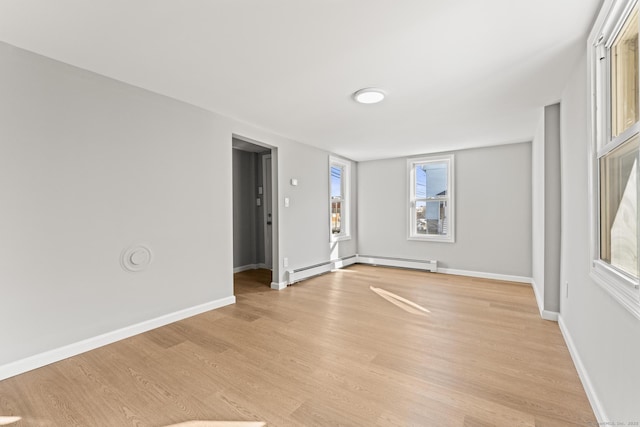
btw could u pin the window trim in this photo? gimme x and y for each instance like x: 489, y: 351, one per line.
x: 622, y: 287
x: 345, y: 209
x: 411, y: 164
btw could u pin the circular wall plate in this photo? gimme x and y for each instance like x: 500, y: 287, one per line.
x: 136, y: 258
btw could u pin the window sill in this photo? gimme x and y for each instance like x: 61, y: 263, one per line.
x: 441, y: 239
x: 340, y: 238
x: 620, y: 287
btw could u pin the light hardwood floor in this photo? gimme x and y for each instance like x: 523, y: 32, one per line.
x: 325, y: 352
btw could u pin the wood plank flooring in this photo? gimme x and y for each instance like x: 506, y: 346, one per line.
x: 327, y: 351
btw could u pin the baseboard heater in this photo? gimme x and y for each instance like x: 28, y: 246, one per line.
x: 429, y: 265
x: 294, y: 276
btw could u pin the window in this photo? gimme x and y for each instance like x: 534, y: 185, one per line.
x: 431, y: 198
x: 339, y: 184
x: 615, y: 148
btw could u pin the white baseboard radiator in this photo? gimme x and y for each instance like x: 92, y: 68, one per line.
x: 428, y: 265
x: 299, y: 274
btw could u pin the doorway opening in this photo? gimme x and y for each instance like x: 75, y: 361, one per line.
x: 254, y: 215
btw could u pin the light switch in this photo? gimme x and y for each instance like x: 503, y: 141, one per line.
x: 258, y: 203
x: 294, y: 182
x: 286, y: 202
x: 259, y: 190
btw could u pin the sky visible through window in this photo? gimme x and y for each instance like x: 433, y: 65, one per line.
x: 431, y: 180
x: 336, y: 177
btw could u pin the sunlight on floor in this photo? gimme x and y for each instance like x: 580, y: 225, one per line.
x: 5, y: 421
x: 403, y: 303
x: 220, y: 424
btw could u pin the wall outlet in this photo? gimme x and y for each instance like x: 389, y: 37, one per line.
x: 285, y: 262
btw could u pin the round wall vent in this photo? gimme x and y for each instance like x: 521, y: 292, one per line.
x: 136, y: 258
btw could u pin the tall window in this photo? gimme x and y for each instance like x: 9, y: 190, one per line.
x: 339, y: 184
x: 616, y: 142
x: 431, y: 198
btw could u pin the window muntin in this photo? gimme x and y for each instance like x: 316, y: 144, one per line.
x: 614, y: 172
x: 430, y: 198
x: 339, y: 175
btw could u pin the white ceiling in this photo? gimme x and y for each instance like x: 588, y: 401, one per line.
x: 459, y: 74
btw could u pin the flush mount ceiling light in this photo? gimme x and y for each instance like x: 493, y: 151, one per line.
x: 370, y: 95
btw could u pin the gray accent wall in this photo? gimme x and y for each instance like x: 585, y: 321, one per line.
x: 546, y: 162
x: 245, y: 211
x: 493, y: 212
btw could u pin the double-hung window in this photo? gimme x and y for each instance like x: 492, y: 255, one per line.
x: 615, y: 142
x: 339, y: 184
x: 431, y: 199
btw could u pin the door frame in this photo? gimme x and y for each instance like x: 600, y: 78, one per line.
x: 275, y: 234
x: 265, y: 220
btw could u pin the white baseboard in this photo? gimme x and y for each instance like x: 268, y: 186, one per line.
x: 545, y: 314
x: 483, y: 275
x: 248, y: 267
x: 429, y: 265
x: 55, y: 355
x: 344, y: 262
x: 596, y: 405
x: 278, y: 286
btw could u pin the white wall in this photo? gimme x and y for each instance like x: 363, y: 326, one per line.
x: 605, y: 336
x: 493, y: 212
x: 90, y: 166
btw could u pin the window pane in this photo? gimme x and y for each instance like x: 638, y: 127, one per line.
x: 336, y: 213
x: 431, y: 180
x: 336, y: 181
x: 619, y: 207
x: 432, y: 217
x: 624, y: 76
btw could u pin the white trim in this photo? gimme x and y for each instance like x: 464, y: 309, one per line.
x: 278, y: 286
x: 36, y: 361
x: 344, y: 262
x: 596, y: 404
x: 430, y: 265
x: 484, y: 275
x: 545, y: 314
x: 249, y: 267
x: 265, y: 210
x: 450, y: 237
x: 345, y: 213
x: 608, y: 23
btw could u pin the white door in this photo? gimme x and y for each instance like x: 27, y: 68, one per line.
x: 268, y: 214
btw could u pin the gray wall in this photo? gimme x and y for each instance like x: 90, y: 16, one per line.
x: 604, y: 334
x: 552, y: 208
x: 245, y: 231
x: 546, y: 162
x: 493, y: 212
x: 90, y: 166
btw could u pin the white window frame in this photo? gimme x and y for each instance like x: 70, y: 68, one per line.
x: 345, y: 207
x: 622, y: 287
x: 450, y: 198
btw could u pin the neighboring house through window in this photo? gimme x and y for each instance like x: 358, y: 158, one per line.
x: 615, y: 146
x: 339, y: 185
x: 431, y: 210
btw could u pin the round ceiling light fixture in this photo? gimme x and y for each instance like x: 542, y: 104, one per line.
x: 369, y: 95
